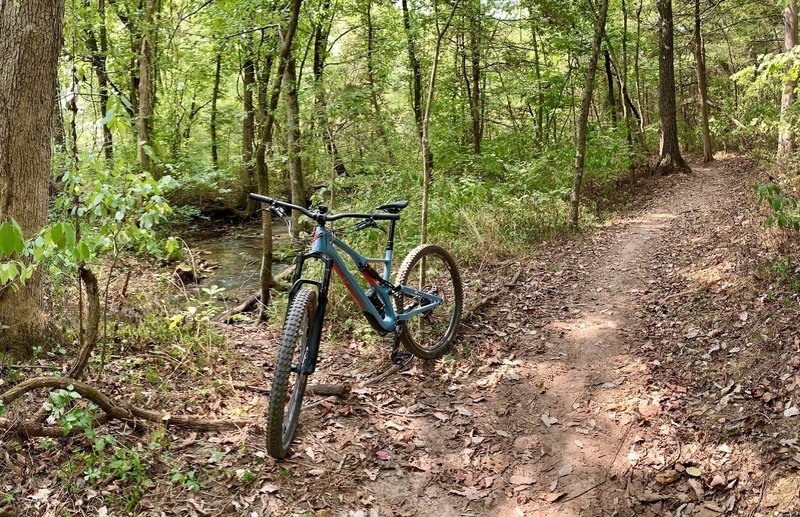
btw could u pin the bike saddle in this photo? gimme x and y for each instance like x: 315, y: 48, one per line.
x: 393, y: 208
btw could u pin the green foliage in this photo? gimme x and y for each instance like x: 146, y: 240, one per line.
x: 785, y: 210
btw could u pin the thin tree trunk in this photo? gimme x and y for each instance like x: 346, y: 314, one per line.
x: 146, y: 78
x: 416, y: 70
x: 98, y: 58
x: 296, y: 183
x: 636, y: 73
x: 30, y: 39
x: 612, y: 103
x: 586, y: 104
x: 475, y: 76
x: 246, y: 182
x: 427, y: 153
x: 265, y: 145
x: 371, y: 82
x: 214, y: 111
x: 702, y: 84
x: 537, y: 71
x: 670, y: 159
x: 785, y: 135
x: 320, y: 99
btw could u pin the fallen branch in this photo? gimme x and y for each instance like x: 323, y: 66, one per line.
x: 338, y: 390
x: 93, y: 325
x: 113, y: 411
x: 472, y: 311
x: 252, y: 301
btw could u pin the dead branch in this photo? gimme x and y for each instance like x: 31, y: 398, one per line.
x: 93, y: 326
x: 338, y: 390
x: 113, y: 411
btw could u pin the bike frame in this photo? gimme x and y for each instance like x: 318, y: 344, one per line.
x: 325, y: 247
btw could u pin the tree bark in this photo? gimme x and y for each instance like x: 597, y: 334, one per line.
x: 99, y: 53
x: 214, y: 111
x: 702, y: 84
x: 320, y: 98
x: 371, y: 81
x: 246, y: 182
x: 146, y: 76
x: 474, y: 84
x: 541, y: 136
x: 583, y: 120
x: 785, y: 134
x: 265, y: 145
x: 30, y: 39
x: 416, y: 70
x: 296, y: 183
x: 670, y: 159
x: 427, y: 153
x: 612, y: 102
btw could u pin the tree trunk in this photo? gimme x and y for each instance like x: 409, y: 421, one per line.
x: 98, y: 58
x: 670, y: 159
x: 612, y: 102
x: 416, y: 70
x: 30, y: 39
x: 541, y: 136
x: 214, y: 112
x: 785, y: 134
x: 296, y: 183
x: 427, y: 153
x: 265, y: 145
x: 371, y: 82
x: 702, y: 84
x: 146, y: 67
x: 320, y: 99
x: 246, y: 182
x: 474, y: 84
x: 583, y: 120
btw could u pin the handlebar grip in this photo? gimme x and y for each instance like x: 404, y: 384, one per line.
x: 259, y: 197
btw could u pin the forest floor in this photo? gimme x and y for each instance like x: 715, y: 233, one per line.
x: 648, y: 367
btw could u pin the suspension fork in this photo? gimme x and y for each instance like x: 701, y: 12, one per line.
x: 310, y: 361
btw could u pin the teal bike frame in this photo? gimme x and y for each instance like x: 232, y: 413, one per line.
x: 325, y: 247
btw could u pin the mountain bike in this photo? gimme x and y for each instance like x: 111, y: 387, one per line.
x: 421, y: 309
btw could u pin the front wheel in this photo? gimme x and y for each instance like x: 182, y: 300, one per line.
x: 289, y: 381
x: 430, y: 269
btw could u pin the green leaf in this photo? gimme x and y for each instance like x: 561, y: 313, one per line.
x: 11, y: 239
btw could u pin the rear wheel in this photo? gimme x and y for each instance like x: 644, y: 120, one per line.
x: 289, y: 382
x: 430, y: 269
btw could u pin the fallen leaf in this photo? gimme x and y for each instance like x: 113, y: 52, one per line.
x: 269, y: 488
x: 316, y: 472
x: 696, y: 487
x: 694, y: 471
x: 521, y: 480
x: 668, y: 476
x: 566, y: 470
x: 382, y: 455
x: 463, y: 411
x: 553, y: 485
x: 719, y: 480
x: 791, y: 411
x: 549, y: 420
x: 444, y: 417
x: 555, y: 496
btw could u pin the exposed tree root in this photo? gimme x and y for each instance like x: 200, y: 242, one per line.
x: 113, y: 411
x: 339, y: 390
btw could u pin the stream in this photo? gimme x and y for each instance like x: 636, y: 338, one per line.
x: 230, y: 256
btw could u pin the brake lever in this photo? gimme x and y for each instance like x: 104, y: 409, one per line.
x: 368, y: 223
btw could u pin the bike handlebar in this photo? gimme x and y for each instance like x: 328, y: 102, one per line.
x: 322, y: 215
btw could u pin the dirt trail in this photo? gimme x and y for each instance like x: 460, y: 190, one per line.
x: 543, y: 416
